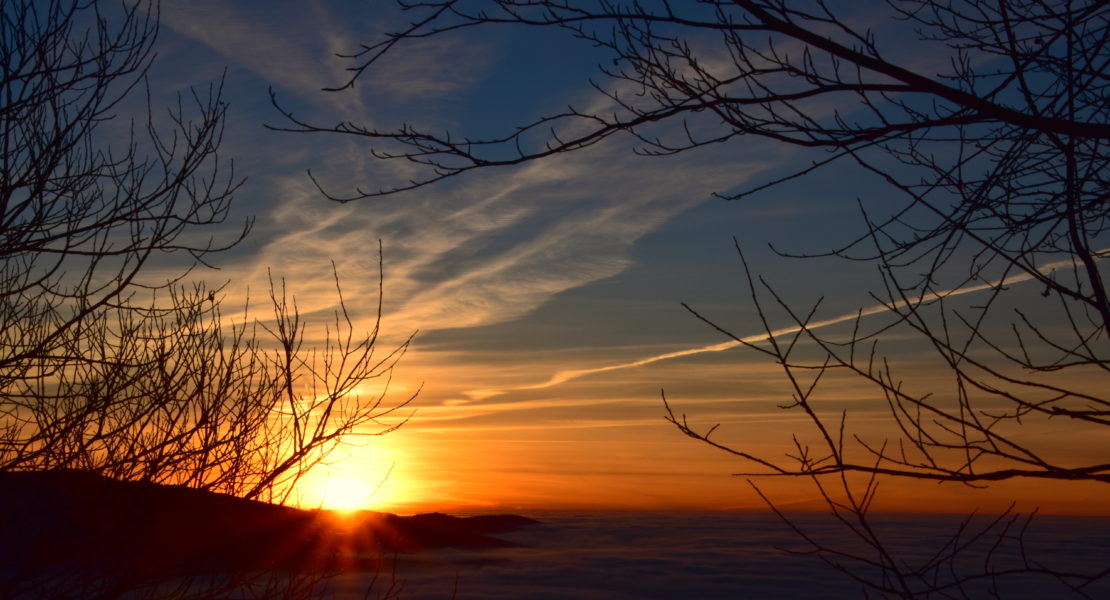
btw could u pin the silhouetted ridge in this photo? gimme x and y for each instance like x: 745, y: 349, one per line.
x: 70, y: 519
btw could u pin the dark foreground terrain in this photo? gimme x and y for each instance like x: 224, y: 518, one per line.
x: 65, y: 522
x: 75, y: 535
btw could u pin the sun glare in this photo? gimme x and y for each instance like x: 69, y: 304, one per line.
x: 364, y: 479
x: 333, y: 489
x: 344, y: 493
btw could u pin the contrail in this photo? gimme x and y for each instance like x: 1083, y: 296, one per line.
x: 567, y: 375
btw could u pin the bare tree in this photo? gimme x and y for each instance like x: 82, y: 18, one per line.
x: 110, y: 366
x: 176, y: 396
x: 83, y: 213
x: 997, y: 150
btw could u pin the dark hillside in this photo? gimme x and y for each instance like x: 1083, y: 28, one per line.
x: 73, y: 520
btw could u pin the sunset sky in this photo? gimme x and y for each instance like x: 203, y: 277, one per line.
x: 546, y: 297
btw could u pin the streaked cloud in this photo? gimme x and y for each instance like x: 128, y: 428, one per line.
x: 489, y: 250
x: 875, y: 309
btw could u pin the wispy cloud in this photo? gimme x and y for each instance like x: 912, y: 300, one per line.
x: 268, y: 40
x: 490, y: 250
x: 485, y: 249
x: 294, y: 46
x: 571, y: 374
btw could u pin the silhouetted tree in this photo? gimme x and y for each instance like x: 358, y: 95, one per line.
x: 106, y: 365
x: 990, y: 126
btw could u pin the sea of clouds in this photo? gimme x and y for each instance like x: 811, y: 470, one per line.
x: 615, y: 556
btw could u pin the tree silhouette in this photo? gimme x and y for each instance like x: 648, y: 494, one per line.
x: 110, y: 366
x: 990, y: 125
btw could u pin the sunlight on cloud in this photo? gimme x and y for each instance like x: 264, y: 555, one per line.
x: 608, y: 211
x: 484, y: 249
x: 492, y: 250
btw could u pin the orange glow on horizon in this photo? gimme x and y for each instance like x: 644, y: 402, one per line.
x: 493, y: 471
x: 587, y: 448
x: 344, y: 494
x: 362, y: 479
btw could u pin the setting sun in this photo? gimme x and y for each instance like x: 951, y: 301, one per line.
x: 362, y: 479
x: 345, y: 493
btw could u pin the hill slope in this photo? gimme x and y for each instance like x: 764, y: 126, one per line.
x: 75, y: 520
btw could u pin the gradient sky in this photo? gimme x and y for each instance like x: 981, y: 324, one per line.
x: 547, y: 297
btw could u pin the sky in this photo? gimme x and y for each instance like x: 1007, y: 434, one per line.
x: 546, y: 298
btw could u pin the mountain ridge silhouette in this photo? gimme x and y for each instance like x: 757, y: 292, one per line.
x: 79, y: 520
